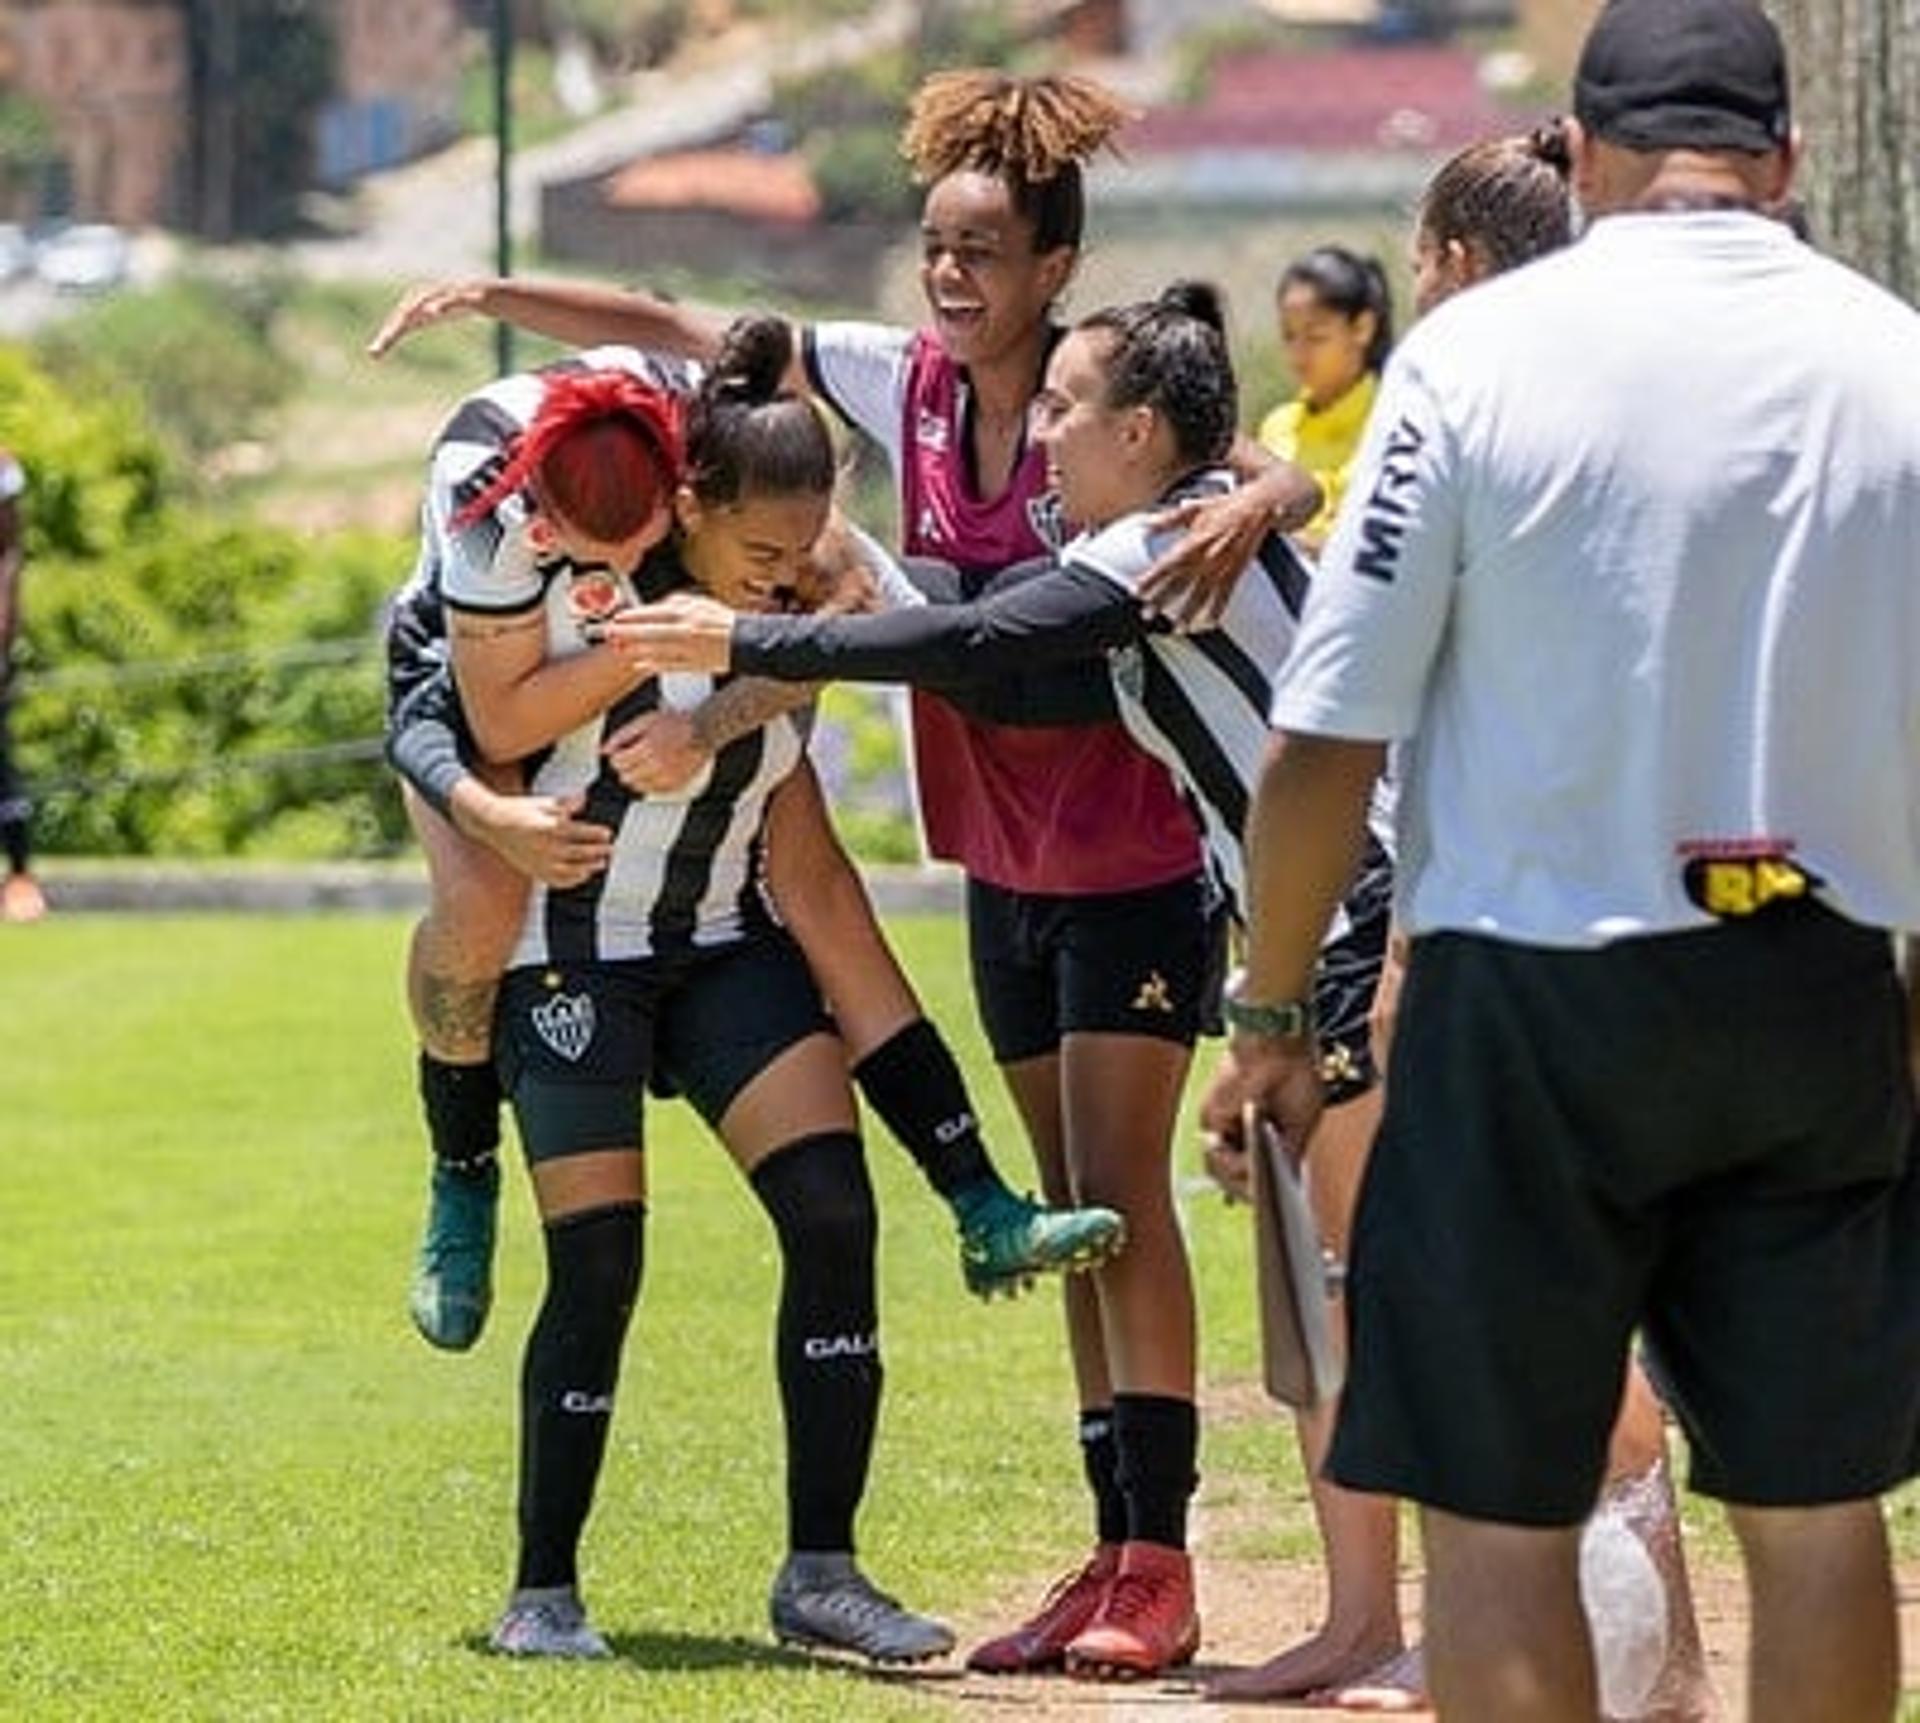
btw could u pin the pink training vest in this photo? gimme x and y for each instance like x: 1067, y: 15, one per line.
x: 1064, y: 810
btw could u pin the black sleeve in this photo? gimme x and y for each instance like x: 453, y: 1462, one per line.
x: 1055, y: 618
x: 426, y: 742
x: 428, y: 757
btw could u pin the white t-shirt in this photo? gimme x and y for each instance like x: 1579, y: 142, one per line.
x: 1633, y: 558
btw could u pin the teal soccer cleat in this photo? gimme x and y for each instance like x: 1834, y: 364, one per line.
x: 1005, y: 1240
x: 452, y: 1287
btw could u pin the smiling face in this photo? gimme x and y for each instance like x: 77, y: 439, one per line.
x: 753, y: 554
x: 1326, y: 349
x: 986, y: 287
x: 1098, y: 456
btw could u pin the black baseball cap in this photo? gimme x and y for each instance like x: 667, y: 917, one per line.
x: 1684, y: 74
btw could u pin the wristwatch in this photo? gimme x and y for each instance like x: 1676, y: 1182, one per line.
x: 1283, y: 1020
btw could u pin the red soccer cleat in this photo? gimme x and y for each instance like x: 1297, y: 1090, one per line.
x: 1148, y: 1623
x: 1040, y: 1642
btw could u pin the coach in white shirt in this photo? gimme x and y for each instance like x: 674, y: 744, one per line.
x: 1631, y: 567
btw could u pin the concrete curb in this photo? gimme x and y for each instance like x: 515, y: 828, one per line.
x: 167, y: 888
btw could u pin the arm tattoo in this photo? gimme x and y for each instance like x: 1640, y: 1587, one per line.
x: 740, y: 707
x: 469, y: 626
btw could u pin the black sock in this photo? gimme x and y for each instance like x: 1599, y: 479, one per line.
x: 462, y: 1104
x: 1157, y: 1438
x: 567, y: 1380
x: 827, y: 1345
x: 1100, y: 1457
x: 912, y: 1082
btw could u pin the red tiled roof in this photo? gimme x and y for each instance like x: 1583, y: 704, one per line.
x: 1345, y: 99
x: 739, y: 182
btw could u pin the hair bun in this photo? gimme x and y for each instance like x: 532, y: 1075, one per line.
x: 1200, y: 300
x: 753, y: 358
x: 1547, y: 142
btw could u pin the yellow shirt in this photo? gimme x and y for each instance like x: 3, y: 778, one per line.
x: 1324, y: 442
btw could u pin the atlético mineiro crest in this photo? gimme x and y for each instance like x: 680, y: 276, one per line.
x: 565, y: 1023
x: 592, y: 595
x: 930, y: 432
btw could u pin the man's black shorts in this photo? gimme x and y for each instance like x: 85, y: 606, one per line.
x: 577, y: 1044
x: 1709, y: 1134
x: 1120, y: 963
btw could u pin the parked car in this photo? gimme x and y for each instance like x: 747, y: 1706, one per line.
x: 88, y: 257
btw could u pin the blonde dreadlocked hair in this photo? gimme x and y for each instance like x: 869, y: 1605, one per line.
x: 1033, y: 134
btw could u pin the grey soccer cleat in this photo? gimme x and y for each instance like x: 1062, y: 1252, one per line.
x: 547, y: 1622
x: 824, y: 1601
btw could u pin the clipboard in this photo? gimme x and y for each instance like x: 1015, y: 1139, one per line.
x: 1301, y: 1363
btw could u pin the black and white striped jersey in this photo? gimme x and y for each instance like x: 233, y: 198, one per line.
x: 686, y: 867
x: 488, y: 564
x: 1197, y: 702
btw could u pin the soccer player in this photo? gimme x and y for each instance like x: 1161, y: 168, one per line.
x: 668, y: 967
x: 1137, y: 412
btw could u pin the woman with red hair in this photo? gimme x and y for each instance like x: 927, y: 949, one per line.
x: 654, y: 960
x: 566, y: 476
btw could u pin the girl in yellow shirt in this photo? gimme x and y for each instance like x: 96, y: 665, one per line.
x: 1336, y: 327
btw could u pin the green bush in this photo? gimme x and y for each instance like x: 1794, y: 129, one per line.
x: 186, y: 685
x: 95, y: 472
x: 859, y: 749
x: 212, y: 689
x: 860, y: 175
x: 197, y: 354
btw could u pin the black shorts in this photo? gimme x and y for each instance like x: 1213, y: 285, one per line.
x: 1707, y: 1133
x: 417, y: 650
x: 1121, y: 963
x: 578, y: 1045
x: 14, y: 804
x: 431, y: 699
x: 1347, y: 977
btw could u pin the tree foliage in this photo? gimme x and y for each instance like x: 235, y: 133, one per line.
x: 1857, y: 93
x: 187, y: 685
x: 197, y: 354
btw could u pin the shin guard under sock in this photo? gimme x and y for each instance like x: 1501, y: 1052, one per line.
x: 1100, y: 1459
x: 1157, y: 1438
x: 462, y: 1105
x: 915, y: 1086
x: 567, y: 1380
x: 827, y: 1344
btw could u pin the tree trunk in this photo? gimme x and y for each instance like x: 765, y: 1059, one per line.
x: 1856, y: 66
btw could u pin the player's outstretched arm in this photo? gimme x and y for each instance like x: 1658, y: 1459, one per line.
x: 580, y: 313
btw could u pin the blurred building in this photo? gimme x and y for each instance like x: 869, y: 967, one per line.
x: 729, y: 210
x: 111, y: 77
x: 399, y: 85
x: 115, y: 80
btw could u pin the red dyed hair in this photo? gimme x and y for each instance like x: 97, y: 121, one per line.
x: 601, y: 455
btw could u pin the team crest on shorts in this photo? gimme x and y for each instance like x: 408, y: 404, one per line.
x: 565, y: 1023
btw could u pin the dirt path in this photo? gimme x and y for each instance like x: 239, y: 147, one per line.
x: 1251, y: 1607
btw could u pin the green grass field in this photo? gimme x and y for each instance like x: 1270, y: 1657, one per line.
x: 233, y: 1482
